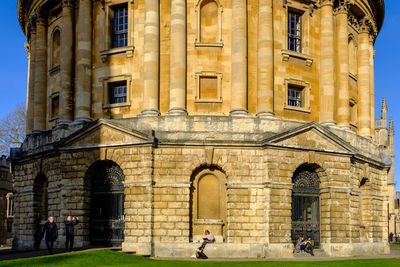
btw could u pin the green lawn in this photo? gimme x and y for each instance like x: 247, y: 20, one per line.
x: 113, y: 258
x: 395, y: 245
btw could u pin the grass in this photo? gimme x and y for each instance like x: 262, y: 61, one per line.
x: 395, y: 245
x: 113, y: 258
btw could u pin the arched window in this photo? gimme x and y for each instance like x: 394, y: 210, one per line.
x: 208, y: 209
x: 352, y: 56
x: 209, y: 23
x: 55, y: 57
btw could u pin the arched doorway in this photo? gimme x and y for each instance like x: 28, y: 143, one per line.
x: 107, y: 205
x: 305, y: 205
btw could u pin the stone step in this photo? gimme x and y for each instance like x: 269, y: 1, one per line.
x: 317, y: 253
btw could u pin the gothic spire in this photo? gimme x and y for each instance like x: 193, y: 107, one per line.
x: 391, y: 127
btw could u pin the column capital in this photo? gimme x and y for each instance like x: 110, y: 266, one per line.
x: 323, y: 3
x: 342, y: 7
x: 68, y: 3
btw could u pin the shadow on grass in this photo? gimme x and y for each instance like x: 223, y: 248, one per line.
x: 113, y: 258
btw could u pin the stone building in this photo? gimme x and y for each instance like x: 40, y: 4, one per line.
x: 155, y: 120
x: 6, y: 202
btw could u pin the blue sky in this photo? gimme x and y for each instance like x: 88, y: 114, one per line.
x: 13, y: 65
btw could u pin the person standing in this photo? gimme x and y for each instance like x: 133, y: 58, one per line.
x: 69, y: 232
x: 51, y: 232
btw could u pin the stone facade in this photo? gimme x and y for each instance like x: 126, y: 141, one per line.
x: 208, y: 131
x: 6, y: 202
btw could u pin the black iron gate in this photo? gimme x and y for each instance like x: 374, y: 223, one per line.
x: 107, y: 206
x: 305, y: 206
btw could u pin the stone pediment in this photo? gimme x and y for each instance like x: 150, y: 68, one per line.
x: 104, y: 133
x: 311, y: 136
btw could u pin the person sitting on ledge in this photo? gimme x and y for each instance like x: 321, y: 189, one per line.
x: 309, y: 247
x: 300, y: 246
x: 209, y: 238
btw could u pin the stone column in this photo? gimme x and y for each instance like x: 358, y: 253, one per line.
x: 327, y: 65
x: 265, y: 86
x: 372, y: 82
x: 239, y: 58
x: 39, y: 123
x: 151, y: 64
x: 177, y: 103
x: 31, y: 80
x: 364, y: 111
x: 343, y: 95
x: 84, y: 62
x: 67, y: 62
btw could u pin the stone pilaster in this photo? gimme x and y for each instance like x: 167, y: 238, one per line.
x: 177, y: 103
x: 67, y: 62
x: 239, y: 58
x: 372, y: 83
x: 265, y: 87
x: 364, y: 107
x: 327, y: 65
x: 343, y: 108
x: 84, y: 62
x: 39, y: 109
x: 151, y: 64
x: 31, y: 80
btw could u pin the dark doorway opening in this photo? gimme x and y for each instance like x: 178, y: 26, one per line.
x: 305, y: 206
x: 107, y: 205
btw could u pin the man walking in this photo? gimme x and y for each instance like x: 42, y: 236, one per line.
x: 69, y: 232
x: 51, y: 232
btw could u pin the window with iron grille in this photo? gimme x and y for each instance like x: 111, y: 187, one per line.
x: 120, y: 26
x: 295, y: 96
x: 294, y: 31
x: 117, y: 92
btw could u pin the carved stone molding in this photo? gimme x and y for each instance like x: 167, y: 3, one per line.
x: 353, y: 21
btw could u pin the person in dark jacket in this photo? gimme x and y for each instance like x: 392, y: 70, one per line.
x: 51, y: 233
x: 69, y: 232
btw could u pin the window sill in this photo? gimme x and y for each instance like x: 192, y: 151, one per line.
x: 119, y: 105
x: 54, y: 69
x: 353, y: 76
x: 353, y: 124
x: 305, y: 110
x: 208, y: 101
x: 287, y: 54
x: 127, y: 49
x: 199, y: 44
x: 53, y: 119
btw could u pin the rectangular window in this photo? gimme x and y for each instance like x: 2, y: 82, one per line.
x: 294, y: 31
x: 295, y: 96
x: 55, y: 106
x: 117, y: 92
x: 120, y: 26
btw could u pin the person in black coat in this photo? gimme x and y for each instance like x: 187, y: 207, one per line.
x: 69, y: 232
x: 51, y: 232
